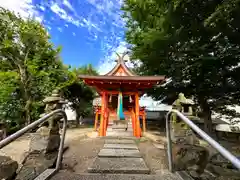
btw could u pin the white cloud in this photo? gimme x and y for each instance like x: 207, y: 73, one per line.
x: 24, y: 7
x: 75, y: 19
x: 60, y: 29
x: 67, y: 4
x: 73, y: 33
x: 108, y: 62
x: 63, y: 14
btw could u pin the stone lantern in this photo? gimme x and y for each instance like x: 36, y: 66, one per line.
x: 47, y: 137
x: 44, y: 143
x: 52, y: 103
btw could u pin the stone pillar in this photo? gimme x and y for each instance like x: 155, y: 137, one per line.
x: 187, y: 152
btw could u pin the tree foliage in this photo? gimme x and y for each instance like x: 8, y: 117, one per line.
x: 30, y: 68
x: 79, y: 94
x: 194, y: 43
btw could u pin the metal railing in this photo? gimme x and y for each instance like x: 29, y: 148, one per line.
x: 22, y: 131
x: 224, y: 152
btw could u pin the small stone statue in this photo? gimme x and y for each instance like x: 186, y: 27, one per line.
x: 186, y: 149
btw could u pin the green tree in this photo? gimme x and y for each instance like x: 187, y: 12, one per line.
x: 79, y: 94
x: 30, y: 63
x: 194, y: 43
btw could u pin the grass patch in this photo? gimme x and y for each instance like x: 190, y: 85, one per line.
x: 141, y: 140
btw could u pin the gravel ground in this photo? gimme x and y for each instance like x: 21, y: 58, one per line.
x: 155, y: 158
x: 18, y: 148
x: 81, y: 155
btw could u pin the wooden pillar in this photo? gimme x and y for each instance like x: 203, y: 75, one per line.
x: 133, y: 117
x: 144, y: 121
x: 96, y: 121
x: 102, y: 123
x: 137, y: 123
x: 105, y: 114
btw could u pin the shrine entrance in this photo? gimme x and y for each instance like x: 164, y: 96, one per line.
x: 120, y: 90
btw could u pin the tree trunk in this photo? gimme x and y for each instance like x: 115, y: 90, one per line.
x: 27, y: 111
x: 207, y: 116
x: 26, y: 94
x: 77, y: 119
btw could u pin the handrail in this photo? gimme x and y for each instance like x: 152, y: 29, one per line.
x: 224, y: 152
x: 22, y: 131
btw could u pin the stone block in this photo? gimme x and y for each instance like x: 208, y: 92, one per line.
x: 44, y: 141
x: 119, y: 165
x: 8, y: 168
x: 119, y: 141
x: 35, y: 164
x: 116, y: 134
x: 119, y: 153
x: 120, y: 146
x: 85, y: 176
x: 159, y: 146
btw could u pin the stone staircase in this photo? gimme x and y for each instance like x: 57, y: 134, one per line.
x: 119, y: 130
x: 119, y: 159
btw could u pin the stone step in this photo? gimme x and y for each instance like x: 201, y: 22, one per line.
x: 119, y: 165
x: 117, y: 153
x: 119, y: 129
x: 119, y: 137
x: 120, y: 146
x: 72, y: 176
x: 119, y: 133
x: 119, y: 141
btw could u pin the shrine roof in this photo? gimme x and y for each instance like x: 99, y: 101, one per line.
x: 122, y: 73
x: 123, y: 78
x: 120, y: 67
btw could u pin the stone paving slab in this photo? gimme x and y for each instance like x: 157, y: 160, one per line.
x: 119, y: 141
x: 119, y: 137
x: 120, y: 146
x: 119, y: 133
x: 119, y: 153
x: 159, y: 146
x: 72, y: 176
x: 119, y: 165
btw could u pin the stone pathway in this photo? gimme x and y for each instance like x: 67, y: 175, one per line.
x: 94, y: 162
x: 119, y: 131
x: 119, y: 157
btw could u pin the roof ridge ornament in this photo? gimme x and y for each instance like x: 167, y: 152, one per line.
x: 121, y: 58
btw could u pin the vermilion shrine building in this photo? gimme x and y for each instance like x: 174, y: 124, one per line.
x: 120, y: 90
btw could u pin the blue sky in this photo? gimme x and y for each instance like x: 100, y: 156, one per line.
x: 89, y: 31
